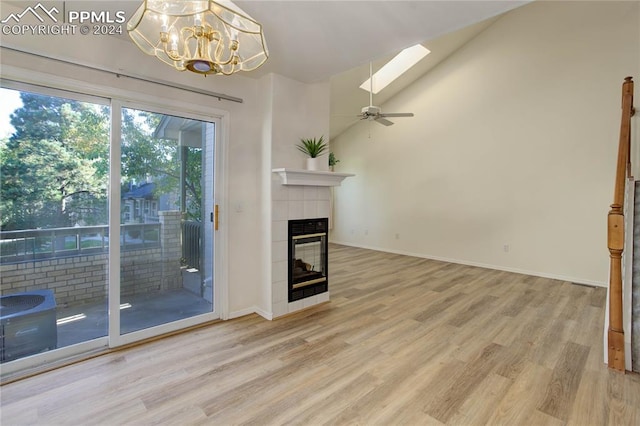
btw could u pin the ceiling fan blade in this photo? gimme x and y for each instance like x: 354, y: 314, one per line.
x: 397, y: 114
x: 380, y: 119
x: 346, y: 115
x: 352, y: 122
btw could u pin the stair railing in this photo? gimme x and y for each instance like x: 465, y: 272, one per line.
x: 615, y: 231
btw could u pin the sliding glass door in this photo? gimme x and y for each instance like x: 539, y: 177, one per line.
x: 54, y: 151
x: 107, y: 215
x: 166, y: 238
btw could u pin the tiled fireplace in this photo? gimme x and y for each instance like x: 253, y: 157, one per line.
x: 293, y: 203
x: 296, y: 195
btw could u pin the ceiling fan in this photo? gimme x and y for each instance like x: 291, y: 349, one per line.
x: 374, y: 113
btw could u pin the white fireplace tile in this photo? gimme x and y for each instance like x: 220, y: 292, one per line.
x: 279, y: 272
x: 323, y: 297
x: 296, y: 193
x: 310, y: 301
x: 311, y: 209
x: 280, y: 291
x: 279, y: 251
x: 279, y: 231
x: 324, y: 193
x: 279, y: 192
x: 280, y: 210
x: 280, y: 309
x: 295, y: 306
x: 296, y: 209
x: 324, y: 208
x: 310, y: 193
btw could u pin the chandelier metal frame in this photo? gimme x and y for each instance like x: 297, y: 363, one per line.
x: 205, y: 37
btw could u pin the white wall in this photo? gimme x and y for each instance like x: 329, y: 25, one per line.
x: 266, y: 113
x: 513, y: 143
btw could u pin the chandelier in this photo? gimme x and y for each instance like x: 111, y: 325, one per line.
x: 206, y: 37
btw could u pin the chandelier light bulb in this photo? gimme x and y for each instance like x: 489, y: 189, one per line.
x: 164, y: 24
x: 174, y: 42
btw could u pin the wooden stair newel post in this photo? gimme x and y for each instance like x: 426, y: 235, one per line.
x: 616, y: 245
x: 615, y: 233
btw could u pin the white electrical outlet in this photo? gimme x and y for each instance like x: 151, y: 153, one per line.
x: 506, y: 248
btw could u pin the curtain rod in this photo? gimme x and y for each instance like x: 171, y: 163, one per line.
x: 220, y: 96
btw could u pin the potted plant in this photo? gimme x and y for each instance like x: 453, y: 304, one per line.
x: 332, y: 161
x: 314, y: 148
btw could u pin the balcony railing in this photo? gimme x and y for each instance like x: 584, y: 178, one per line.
x: 191, y: 243
x: 35, y: 244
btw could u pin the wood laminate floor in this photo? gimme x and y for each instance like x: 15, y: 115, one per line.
x: 403, y: 341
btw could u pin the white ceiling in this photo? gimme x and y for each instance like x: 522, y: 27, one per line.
x: 325, y: 40
x: 311, y: 41
x: 347, y: 99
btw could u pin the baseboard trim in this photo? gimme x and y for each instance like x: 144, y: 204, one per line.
x: 478, y: 264
x: 249, y: 311
x: 264, y: 314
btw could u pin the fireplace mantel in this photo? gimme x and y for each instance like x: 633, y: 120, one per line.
x: 311, y: 178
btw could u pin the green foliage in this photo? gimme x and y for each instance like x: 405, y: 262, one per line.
x: 87, y: 134
x: 46, y: 180
x: 55, y: 166
x: 38, y: 118
x: 312, y: 147
x: 142, y: 154
x: 146, y: 157
x: 333, y: 160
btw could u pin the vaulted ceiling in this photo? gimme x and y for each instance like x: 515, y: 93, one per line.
x: 322, y: 40
x: 311, y: 41
x: 314, y: 41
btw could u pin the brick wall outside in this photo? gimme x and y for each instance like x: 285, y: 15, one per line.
x: 170, y: 236
x: 82, y: 279
x: 75, y: 279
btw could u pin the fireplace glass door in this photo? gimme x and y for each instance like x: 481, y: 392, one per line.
x: 308, y: 246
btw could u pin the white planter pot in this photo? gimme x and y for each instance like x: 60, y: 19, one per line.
x: 318, y: 164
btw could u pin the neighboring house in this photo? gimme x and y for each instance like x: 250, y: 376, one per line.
x: 140, y: 204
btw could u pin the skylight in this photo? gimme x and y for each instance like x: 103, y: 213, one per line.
x: 395, y: 67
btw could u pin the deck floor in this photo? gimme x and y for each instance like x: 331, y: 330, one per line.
x: 137, y: 312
